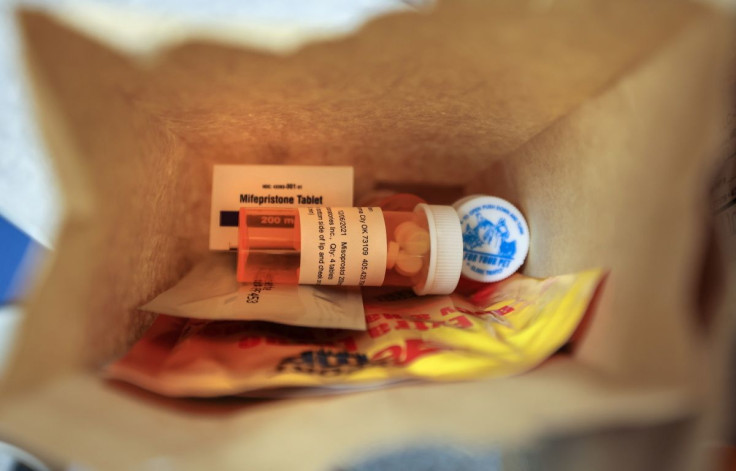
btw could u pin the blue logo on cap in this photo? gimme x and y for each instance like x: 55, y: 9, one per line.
x: 491, y: 234
x: 495, y: 237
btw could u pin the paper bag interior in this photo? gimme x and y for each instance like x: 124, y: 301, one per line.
x: 596, y: 118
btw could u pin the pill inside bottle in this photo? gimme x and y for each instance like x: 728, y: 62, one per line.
x: 352, y: 246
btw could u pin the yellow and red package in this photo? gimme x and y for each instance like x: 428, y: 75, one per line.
x: 505, y: 329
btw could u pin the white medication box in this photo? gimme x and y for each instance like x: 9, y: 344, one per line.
x: 234, y: 186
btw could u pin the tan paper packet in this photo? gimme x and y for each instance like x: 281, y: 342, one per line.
x: 210, y: 291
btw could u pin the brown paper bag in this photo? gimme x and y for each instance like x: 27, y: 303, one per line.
x: 596, y: 118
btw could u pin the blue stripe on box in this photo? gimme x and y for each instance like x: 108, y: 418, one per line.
x: 16, y: 249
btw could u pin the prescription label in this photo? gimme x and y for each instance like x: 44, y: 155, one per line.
x: 342, y: 246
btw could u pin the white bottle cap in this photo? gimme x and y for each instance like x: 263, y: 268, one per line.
x: 495, y: 237
x: 446, y: 250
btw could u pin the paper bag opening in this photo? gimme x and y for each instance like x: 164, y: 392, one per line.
x: 564, y: 112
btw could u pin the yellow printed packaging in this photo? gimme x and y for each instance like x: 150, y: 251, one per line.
x: 505, y: 329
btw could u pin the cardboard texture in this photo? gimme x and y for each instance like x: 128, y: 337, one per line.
x: 594, y: 117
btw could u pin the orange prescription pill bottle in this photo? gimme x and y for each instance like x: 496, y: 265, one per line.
x: 360, y: 246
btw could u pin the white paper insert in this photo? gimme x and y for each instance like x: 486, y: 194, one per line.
x: 271, y: 186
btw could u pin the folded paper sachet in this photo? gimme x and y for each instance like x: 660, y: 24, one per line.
x: 505, y: 329
x: 210, y: 291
